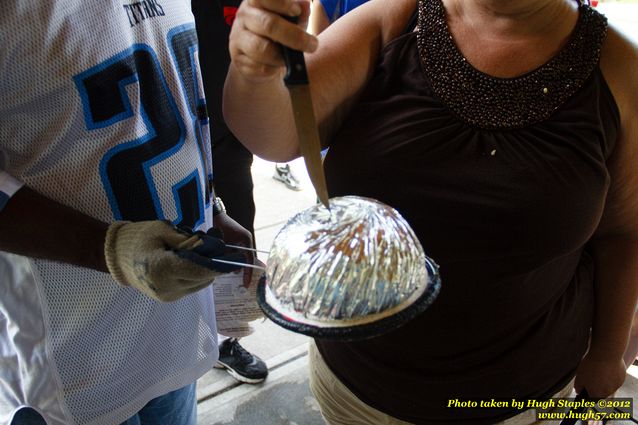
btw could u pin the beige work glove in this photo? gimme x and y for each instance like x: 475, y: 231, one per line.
x: 162, y: 261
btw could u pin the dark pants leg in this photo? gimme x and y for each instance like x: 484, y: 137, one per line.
x: 233, y: 179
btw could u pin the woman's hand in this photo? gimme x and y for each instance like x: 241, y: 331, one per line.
x: 600, y: 375
x: 257, y: 31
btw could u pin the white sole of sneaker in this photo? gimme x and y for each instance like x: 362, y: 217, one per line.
x: 237, y: 376
x: 282, y: 180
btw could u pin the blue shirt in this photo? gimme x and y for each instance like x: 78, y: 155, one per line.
x: 337, y: 8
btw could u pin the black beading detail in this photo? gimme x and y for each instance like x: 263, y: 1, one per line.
x: 498, y: 103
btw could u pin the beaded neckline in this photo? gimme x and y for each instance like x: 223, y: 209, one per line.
x: 499, y: 103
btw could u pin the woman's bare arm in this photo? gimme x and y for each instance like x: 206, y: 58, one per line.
x: 256, y: 103
x: 615, y: 245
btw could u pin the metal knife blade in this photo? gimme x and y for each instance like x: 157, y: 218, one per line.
x: 296, y: 80
x: 309, y: 139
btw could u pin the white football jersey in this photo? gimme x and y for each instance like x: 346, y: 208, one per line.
x: 101, y: 109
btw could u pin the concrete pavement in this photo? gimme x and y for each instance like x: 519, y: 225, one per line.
x: 284, y: 398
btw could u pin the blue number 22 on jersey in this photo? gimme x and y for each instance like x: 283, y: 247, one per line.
x: 126, y: 169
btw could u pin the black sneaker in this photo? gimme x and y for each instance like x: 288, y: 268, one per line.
x: 284, y: 175
x: 242, y: 365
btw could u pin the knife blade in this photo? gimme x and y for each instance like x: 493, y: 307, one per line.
x: 296, y: 80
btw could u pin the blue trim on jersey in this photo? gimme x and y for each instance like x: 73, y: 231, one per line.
x: 204, y: 123
x: 178, y: 204
x: 4, y: 199
x: 200, y: 101
x: 133, y: 143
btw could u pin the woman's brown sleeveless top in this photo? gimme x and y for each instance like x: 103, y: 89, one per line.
x: 504, y: 181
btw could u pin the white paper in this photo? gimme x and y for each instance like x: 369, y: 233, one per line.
x: 235, y: 305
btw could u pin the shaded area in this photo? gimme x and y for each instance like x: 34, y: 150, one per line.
x: 288, y: 402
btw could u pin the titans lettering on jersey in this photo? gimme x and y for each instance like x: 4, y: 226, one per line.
x: 141, y: 10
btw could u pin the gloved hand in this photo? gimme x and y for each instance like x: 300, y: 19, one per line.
x: 162, y: 261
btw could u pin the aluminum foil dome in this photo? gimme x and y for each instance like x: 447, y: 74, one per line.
x: 352, y: 272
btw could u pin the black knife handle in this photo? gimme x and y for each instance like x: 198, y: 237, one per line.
x: 295, y: 63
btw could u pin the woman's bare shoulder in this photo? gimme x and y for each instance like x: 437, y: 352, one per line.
x: 388, y: 18
x: 619, y: 64
x: 396, y: 19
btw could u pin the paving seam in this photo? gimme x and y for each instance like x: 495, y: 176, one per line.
x: 271, y: 368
